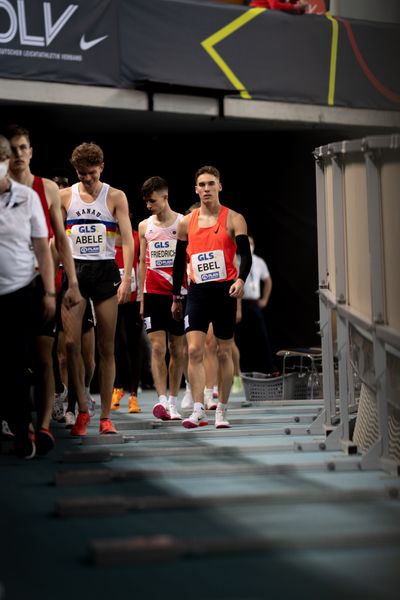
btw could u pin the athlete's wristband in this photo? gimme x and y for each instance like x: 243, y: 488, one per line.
x: 177, y: 298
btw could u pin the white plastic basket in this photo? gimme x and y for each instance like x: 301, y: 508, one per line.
x: 260, y: 386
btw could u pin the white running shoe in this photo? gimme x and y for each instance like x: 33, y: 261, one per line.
x: 209, y: 402
x: 197, y: 419
x: 91, y: 403
x: 58, y: 411
x: 5, y: 429
x: 173, y: 413
x: 64, y: 393
x: 69, y: 419
x: 221, y: 422
x: 187, y: 401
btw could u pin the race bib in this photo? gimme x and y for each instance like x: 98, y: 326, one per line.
x: 209, y: 266
x: 162, y: 253
x: 88, y: 239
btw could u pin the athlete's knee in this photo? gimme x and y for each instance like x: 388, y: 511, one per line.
x: 224, y: 354
x: 72, y: 348
x: 211, y: 345
x: 195, y: 353
x: 158, y: 349
x: 176, y: 349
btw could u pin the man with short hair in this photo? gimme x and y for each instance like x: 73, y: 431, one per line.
x: 93, y: 209
x: 157, y: 236
x: 210, y: 236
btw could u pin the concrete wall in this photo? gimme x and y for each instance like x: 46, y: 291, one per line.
x: 387, y: 11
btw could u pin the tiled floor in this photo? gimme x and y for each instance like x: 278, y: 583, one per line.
x: 237, y: 514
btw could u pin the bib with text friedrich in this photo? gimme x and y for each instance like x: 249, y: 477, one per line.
x: 162, y: 253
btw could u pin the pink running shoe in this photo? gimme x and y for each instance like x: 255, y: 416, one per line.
x: 161, y: 412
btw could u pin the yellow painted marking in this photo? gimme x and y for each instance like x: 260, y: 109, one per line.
x: 333, y: 65
x: 209, y: 43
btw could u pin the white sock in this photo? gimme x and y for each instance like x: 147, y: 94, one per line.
x: 188, y: 388
x: 221, y: 407
x: 172, y: 400
x: 162, y: 399
x: 208, y: 393
x: 198, y: 407
x: 215, y: 389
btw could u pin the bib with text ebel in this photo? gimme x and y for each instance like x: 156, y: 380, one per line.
x: 209, y: 266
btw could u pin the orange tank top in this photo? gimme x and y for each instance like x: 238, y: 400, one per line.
x: 211, y: 250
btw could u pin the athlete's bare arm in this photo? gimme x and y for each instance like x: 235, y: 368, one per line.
x: 72, y: 296
x: 183, y: 226
x: 237, y: 225
x: 121, y: 211
x: 142, y: 261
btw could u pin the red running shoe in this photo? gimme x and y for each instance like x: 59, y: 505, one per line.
x: 44, y: 441
x: 161, y: 412
x: 81, y: 423
x: 107, y: 427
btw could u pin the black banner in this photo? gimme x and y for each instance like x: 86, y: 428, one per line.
x: 72, y: 42
x: 227, y: 49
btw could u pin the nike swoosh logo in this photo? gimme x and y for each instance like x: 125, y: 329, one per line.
x: 115, y: 284
x: 84, y: 45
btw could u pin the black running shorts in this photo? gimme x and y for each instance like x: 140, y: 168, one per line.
x: 210, y: 302
x: 97, y: 279
x: 158, y: 316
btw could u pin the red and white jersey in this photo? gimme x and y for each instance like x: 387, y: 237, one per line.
x: 160, y: 255
x: 38, y: 186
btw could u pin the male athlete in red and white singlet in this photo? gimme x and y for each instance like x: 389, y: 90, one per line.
x: 157, y: 236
